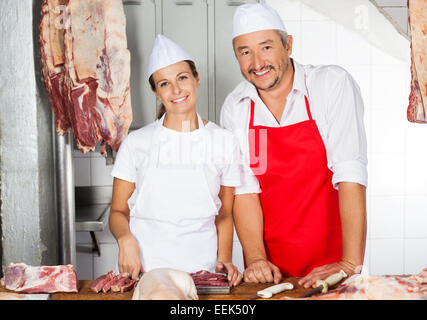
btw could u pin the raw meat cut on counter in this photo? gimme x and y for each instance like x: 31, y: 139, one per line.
x: 204, y: 278
x: 115, y: 283
x: 86, y: 70
x: 417, y: 109
x: 23, y: 278
x: 359, y: 287
x: 165, y: 284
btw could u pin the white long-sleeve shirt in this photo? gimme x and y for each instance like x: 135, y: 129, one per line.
x: 336, y: 105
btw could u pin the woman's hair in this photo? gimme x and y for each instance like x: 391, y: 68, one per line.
x: 162, y: 109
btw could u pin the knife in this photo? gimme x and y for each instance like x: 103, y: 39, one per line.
x: 270, y: 291
x: 323, y: 285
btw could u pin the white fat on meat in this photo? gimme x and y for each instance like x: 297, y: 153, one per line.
x: 165, y: 284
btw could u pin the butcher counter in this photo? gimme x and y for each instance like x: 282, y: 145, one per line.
x: 240, y: 292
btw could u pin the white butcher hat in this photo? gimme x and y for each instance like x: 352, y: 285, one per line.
x: 164, y: 53
x: 252, y: 17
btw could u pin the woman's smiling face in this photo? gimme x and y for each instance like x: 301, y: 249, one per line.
x: 176, y: 87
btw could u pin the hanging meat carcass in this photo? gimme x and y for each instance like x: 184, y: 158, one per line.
x: 94, y: 69
x: 417, y: 110
x: 52, y: 62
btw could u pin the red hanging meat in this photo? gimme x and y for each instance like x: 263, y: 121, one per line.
x: 417, y: 110
x: 86, y: 70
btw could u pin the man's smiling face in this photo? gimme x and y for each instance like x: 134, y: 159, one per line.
x: 263, y: 59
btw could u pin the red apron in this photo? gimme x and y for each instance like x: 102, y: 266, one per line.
x: 302, y: 225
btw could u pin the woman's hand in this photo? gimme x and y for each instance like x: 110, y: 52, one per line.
x: 129, y: 257
x: 234, y: 276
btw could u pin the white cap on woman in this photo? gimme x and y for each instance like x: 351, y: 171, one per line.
x: 165, y: 52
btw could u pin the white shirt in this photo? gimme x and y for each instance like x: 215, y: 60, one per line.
x: 214, y: 148
x: 335, y: 104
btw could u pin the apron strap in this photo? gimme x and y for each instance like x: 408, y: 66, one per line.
x: 307, y: 106
x: 251, y: 119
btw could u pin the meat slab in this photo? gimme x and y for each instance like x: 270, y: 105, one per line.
x: 387, y: 287
x: 113, y: 282
x: 23, y: 278
x: 204, y: 278
x: 417, y: 109
x: 52, y: 63
x: 86, y: 70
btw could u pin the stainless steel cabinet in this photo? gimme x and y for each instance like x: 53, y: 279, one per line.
x: 203, y: 28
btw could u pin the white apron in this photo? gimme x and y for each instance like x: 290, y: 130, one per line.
x: 173, y: 218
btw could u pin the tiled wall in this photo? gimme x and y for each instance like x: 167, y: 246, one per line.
x: 397, y: 150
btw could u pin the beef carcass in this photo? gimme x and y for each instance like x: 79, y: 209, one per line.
x: 90, y: 56
x: 165, y: 284
x: 52, y: 61
x: 23, y: 278
x: 417, y: 109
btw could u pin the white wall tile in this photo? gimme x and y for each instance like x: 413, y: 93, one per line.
x: 386, y: 174
x: 367, y: 258
x: 416, y: 217
x: 107, y: 261
x: 319, y: 44
x: 82, y: 173
x: 389, y: 87
x: 288, y: 10
x: 294, y: 29
x: 388, y: 130
x: 386, y: 256
x: 352, y: 48
x: 308, y: 14
x: 387, y: 217
x: 379, y: 57
x: 415, y: 255
x: 100, y: 173
x: 416, y: 134
x: 416, y: 175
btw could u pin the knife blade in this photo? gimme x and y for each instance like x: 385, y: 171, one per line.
x: 323, y: 285
x: 267, y: 293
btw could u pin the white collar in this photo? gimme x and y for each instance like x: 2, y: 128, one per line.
x: 248, y: 90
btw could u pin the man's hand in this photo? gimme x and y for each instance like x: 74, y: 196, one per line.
x: 262, y: 271
x: 321, y: 273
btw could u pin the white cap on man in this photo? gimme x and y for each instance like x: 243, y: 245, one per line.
x: 252, y: 17
x: 165, y: 52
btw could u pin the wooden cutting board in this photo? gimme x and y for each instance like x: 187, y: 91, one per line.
x: 237, y: 293
x: 240, y: 292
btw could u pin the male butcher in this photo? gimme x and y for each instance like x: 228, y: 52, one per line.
x: 301, y: 210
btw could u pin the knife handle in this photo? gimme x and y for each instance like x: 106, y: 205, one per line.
x: 331, y: 280
x: 268, y: 292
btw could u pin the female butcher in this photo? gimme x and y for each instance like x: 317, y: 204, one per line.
x: 174, y: 180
